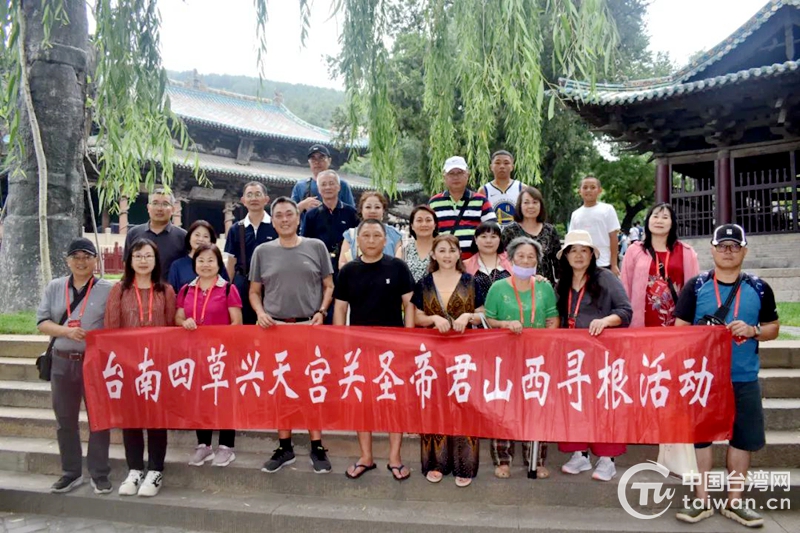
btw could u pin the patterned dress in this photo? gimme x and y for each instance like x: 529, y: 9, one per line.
x: 443, y: 453
x: 417, y: 265
x: 550, y: 241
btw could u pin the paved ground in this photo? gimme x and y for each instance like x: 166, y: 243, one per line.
x: 28, y: 523
x: 791, y: 330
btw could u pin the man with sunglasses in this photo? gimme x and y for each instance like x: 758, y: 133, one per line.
x: 170, y: 239
x: 751, y: 317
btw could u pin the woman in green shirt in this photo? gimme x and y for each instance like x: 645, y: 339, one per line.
x: 514, y: 303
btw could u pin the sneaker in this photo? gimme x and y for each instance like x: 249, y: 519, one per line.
x: 151, y: 484
x: 66, y: 484
x: 101, y: 485
x: 279, y: 459
x: 224, y: 456
x: 578, y: 463
x: 604, y: 469
x: 131, y: 484
x: 319, y: 458
x: 202, y: 454
x: 745, y: 516
x: 693, y: 514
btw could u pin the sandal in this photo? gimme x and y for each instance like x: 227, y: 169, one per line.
x: 463, y: 481
x: 502, y: 472
x: 399, y: 470
x: 434, y: 476
x: 356, y: 466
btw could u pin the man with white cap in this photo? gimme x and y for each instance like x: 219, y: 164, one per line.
x: 458, y: 209
x: 746, y: 305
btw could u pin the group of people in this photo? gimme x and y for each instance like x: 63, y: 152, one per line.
x: 474, y: 259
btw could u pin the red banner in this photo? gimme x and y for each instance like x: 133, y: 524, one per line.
x: 654, y: 385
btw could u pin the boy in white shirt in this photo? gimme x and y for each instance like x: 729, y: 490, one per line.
x: 601, y: 221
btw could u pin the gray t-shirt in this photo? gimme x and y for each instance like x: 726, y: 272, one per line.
x: 292, y: 277
x: 54, y: 304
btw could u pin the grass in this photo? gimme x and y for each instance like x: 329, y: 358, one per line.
x: 21, y: 323
x: 789, y: 313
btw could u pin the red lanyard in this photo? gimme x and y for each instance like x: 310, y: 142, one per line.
x: 519, y: 301
x: 719, y: 300
x: 573, y: 313
x: 85, y: 298
x: 141, y: 310
x: 666, y: 266
x: 205, y: 303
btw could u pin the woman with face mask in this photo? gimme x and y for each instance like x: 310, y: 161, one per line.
x: 517, y: 302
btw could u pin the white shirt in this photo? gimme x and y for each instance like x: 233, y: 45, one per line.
x: 503, y: 202
x: 633, y: 234
x: 599, y: 220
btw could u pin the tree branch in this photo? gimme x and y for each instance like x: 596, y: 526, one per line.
x: 41, y: 159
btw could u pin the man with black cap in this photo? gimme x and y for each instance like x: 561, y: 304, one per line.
x: 746, y: 305
x: 306, y: 193
x: 71, y: 307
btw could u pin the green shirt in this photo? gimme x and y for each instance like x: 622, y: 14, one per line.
x: 501, y: 303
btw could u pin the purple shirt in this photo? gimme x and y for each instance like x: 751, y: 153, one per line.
x: 216, y: 311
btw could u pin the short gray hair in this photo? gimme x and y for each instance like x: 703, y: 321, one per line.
x: 332, y: 173
x: 161, y: 192
x: 512, y: 247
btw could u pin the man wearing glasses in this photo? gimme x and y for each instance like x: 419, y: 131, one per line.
x: 752, y: 317
x: 306, y: 193
x: 243, y: 238
x: 169, y: 239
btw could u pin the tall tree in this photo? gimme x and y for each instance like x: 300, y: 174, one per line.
x: 628, y: 184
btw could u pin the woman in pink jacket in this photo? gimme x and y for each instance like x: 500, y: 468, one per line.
x: 656, y: 268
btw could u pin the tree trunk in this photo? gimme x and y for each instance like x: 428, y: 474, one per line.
x: 58, y: 90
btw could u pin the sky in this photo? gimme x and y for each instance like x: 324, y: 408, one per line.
x: 200, y: 34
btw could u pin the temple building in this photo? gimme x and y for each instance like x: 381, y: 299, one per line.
x: 237, y: 139
x: 724, y: 132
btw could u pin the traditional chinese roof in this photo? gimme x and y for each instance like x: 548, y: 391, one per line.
x: 243, y: 115
x: 741, y: 91
x: 269, y: 173
x: 698, y: 75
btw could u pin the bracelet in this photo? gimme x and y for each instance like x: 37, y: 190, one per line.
x: 319, y: 311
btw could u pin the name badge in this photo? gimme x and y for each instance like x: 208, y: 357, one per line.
x: 74, y: 324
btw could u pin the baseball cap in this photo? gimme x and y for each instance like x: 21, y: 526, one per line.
x: 322, y: 149
x: 82, y: 244
x: 729, y: 232
x: 455, y: 162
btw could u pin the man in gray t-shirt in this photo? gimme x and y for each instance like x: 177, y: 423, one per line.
x: 297, y: 277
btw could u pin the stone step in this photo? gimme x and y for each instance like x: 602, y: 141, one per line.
x: 781, y: 414
x: 243, y: 476
x: 23, y: 345
x: 782, y: 450
x: 780, y: 354
x: 18, y: 369
x: 780, y: 382
x: 212, y: 510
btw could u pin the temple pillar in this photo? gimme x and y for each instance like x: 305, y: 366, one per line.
x: 177, y: 211
x: 123, y: 215
x: 724, y: 186
x: 663, y: 181
x: 229, y: 217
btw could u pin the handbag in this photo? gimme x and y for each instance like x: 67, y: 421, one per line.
x: 680, y: 459
x: 44, y: 363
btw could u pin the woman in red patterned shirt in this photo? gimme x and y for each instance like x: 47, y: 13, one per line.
x: 141, y: 299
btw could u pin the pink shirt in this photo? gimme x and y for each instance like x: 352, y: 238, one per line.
x: 216, y: 311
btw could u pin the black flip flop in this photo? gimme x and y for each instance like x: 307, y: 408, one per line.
x: 399, y: 469
x: 365, y: 468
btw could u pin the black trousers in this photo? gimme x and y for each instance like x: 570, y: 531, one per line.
x: 227, y: 437
x: 133, y: 439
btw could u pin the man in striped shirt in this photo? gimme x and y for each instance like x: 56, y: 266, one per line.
x: 458, y: 209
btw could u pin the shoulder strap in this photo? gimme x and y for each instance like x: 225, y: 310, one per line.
x: 460, y: 214
x: 227, y: 289
x: 308, y: 188
x: 185, y: 290
x: 242, y: 249
x: 722, y: 312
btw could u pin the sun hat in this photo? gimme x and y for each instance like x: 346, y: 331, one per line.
x: 578, y: 237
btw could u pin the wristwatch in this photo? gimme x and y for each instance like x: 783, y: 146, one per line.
x: 320, y: 311
x: 757, y: 329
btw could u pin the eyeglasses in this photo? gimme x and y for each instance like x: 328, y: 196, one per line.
x: 81, y: 257
x: 165, y: 205
x: 252, y: 195
x: 728, y: 248
x: 143, y: 257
